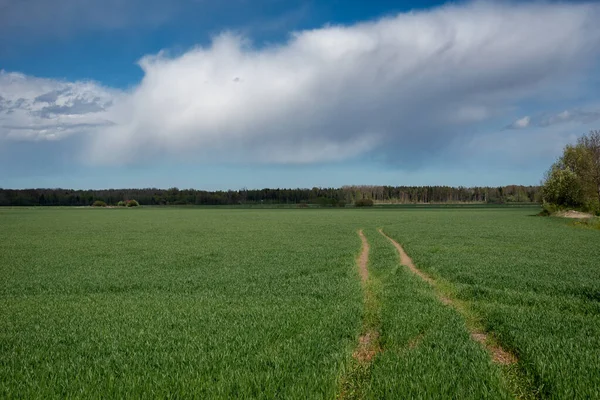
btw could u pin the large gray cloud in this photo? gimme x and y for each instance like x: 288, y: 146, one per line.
x: 405, y: 85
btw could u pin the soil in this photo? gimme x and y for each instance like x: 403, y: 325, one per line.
x: 406, y: 260
x: 367, y: 347
x: 499, y: 355
x: 363, y: 259
x: 573, y: 214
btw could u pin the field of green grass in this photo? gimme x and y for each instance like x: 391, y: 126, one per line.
x: 533, y: 281
x: 224, y: 303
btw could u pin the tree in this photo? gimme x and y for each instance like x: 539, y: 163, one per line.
x: 562, y: 187
x: 592, y: 143
x: 574, y: 179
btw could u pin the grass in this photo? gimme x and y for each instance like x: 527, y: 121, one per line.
x: 222, y: 303
x: 534, y: 282
x: 593, y: 223
x: 174, y: 303
x: 428, y: 352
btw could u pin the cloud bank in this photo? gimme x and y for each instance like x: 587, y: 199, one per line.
x: 404, y: 86
x: 45, y: 109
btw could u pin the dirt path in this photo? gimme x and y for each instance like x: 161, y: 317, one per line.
x: 355, y: 380
x: 363, y: 258
x: 407, y: 261
x: 498, y: 354
x: 368, y: 345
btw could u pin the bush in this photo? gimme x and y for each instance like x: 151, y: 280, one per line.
x: 548, y: 209
x: 132, y: 203
x: 592, y: 206
x: 99, y: 203
x: 121, y: 203
x: 364, y: 203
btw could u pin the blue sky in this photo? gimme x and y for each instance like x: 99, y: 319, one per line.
x: 272, y: 93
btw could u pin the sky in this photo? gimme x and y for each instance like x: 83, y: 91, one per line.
x: 296, y: 93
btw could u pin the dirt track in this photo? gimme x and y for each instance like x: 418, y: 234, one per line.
x: 498, y: 354
x: 368, y: 342
x: 363, y: 259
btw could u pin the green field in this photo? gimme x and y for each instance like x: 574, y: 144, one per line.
x: 225, y: 303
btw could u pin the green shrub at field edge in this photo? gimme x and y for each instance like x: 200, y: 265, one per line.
x: 363, y: 203
x: 99, y: 203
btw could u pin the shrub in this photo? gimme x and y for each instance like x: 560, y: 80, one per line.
x: 121, y: 203
x: 592, y: 206
x: 302, y: 204
x: 99, y: 203
x: 548, y: 209
x: 364, y: 203
x: 132, y: 203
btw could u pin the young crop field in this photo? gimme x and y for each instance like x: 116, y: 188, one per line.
x: 295, y: 303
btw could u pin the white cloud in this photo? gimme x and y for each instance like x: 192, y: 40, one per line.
x: 574, y: 115
x: 521, y: 123
x: 45, y: 109
x: 404, y: 84
x: 543, y: 120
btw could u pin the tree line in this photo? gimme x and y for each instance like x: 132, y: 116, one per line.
x: 573, y: 181
x: 333, y: 197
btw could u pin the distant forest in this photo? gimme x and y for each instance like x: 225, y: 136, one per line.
x: 329, y: 197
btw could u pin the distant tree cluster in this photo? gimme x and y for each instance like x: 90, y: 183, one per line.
x: 573, y: 181
x: 324, y: 197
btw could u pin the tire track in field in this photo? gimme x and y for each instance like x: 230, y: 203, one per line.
x: 368, y: 343
x: 498, y: 354
x: 363, y: 258
x: 356, y: 378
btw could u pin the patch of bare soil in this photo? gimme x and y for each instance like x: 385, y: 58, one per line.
x: 367, y: 347
x: 573, y: 214
x: 498, y: 354
x: 363, y: 258
x: 406, y: 260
